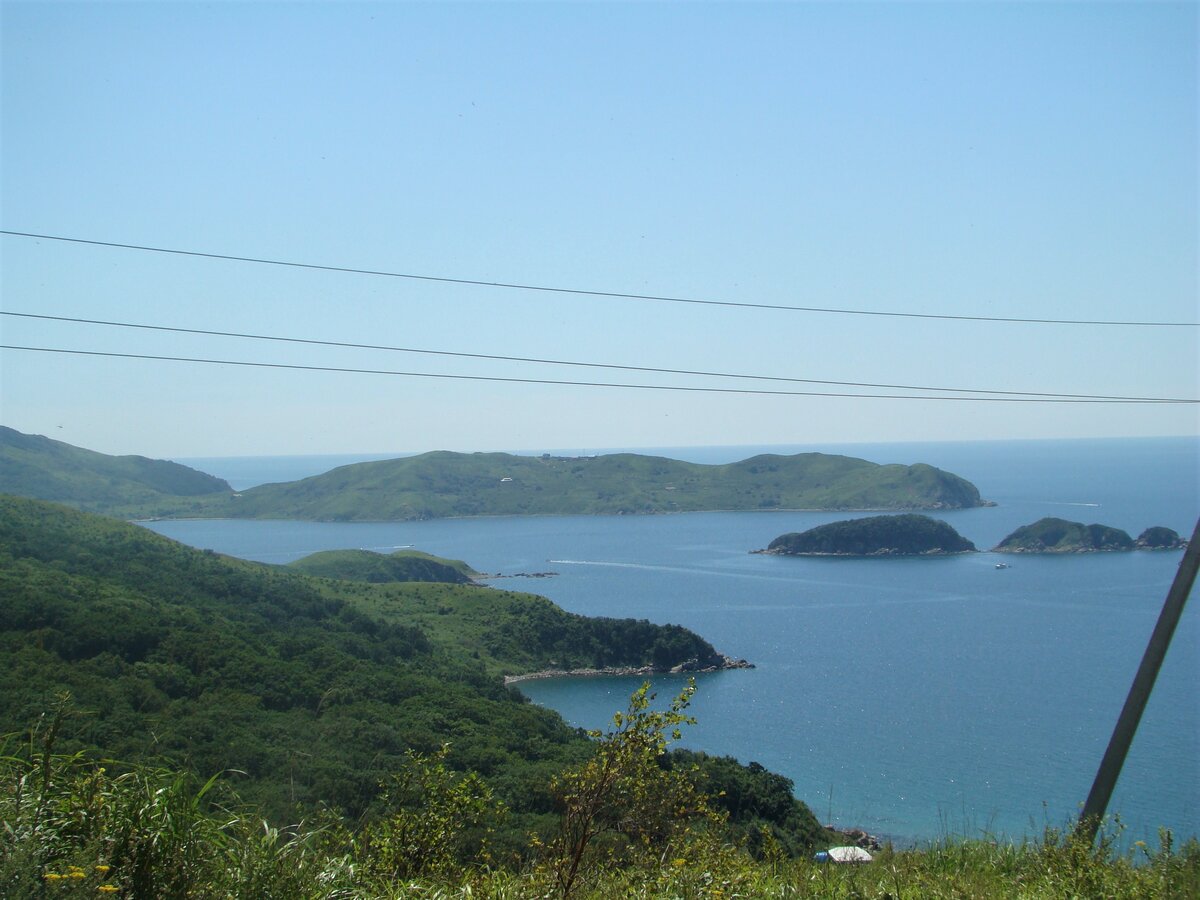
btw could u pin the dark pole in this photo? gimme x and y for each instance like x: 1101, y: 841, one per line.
x: 1139, y: 693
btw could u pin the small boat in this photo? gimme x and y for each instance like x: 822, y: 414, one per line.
x: 1001, y: 565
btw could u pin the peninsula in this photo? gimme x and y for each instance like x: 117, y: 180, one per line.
x: 385, y: 568
x: 903, y: 535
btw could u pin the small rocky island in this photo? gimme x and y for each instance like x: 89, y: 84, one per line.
x: 1052, y: 535
x: 903, y: 535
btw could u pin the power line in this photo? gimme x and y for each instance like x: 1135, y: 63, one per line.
x: 595, y: 384
x: 592, y: 365
x: 595, y: 293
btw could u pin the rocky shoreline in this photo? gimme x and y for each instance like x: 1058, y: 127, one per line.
x: 486, y: 577
x: 857, y: 837
x: 718, y: 663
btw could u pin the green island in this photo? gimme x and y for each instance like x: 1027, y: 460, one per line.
x: 1052, y: 535
x: 899, y: 535
x: 443, y: 484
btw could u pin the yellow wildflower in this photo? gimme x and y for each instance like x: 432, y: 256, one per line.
x: 678, y: 863
x: 103, y: 870
x: 51, y: 876
x: 107, y: 889
x: 78, y: 875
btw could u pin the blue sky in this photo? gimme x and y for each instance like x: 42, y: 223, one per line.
x: 968, y: 159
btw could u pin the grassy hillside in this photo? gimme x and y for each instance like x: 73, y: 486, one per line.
x: 441, y: 484
x: 904, y: 535
x: 381, y: 568
x: 36, y: 466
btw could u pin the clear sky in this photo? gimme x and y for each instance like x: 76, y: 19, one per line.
x: 1022, y: 160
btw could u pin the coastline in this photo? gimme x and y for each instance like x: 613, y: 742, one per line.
x: 692, y: 666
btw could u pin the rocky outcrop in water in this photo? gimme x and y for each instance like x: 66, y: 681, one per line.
x: 1052, y: 535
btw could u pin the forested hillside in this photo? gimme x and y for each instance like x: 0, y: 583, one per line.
x: 311, y: 691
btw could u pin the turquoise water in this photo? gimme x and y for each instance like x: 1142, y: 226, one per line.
x: 915, y: 698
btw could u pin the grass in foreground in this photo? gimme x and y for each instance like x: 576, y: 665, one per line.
x: 72, y: 828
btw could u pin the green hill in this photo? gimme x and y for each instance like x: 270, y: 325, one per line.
x: 440, y: 484
x: 312, y: 688
x: 380, y: 568
x: 1052, y: 535
x: 45, y: 469
x: 904, y: 535
x: 214, y: 664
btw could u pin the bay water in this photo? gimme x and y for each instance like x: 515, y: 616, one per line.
x: 916, y: 698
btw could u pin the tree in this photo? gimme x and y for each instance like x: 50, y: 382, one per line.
x: 435, y: 813
x: 623, y: 793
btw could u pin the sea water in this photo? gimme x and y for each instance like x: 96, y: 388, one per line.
x: 916, y: 698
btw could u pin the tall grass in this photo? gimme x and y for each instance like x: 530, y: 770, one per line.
x: 75, y: 828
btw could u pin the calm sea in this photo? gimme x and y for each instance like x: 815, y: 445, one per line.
x: 915, y: 698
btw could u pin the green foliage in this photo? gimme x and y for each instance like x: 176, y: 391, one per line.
x: 760, y: 806
x: 74, y: 828
x: 436, y: 821
x: 380, y: 568
x: 904, y: 535
x: 1052, y: 535
x: 624, y: 793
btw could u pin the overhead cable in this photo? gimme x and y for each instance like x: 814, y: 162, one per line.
x: 594, y: 384
x: 596, y: 293
x: 593, y: 365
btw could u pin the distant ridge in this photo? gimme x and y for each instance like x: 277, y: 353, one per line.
x: 443, y: 484
x: 44, y: 469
